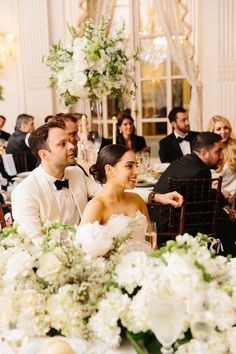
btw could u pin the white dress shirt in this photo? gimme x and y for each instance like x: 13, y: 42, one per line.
x: 65, y: 200
x: 184, y: 145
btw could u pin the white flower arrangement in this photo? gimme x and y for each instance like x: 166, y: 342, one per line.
x: 91, y: 66
x: 57, y: 286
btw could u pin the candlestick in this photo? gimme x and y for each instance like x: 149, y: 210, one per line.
x: 84, y: 129
x: 114, y: 129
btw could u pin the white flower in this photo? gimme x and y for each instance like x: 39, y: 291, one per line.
x: 19, y: 265
x: 104, y: 62
x: 104, y: 323
x: 49, y: 267
x: 95, y: 239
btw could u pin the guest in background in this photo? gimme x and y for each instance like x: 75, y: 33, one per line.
x: 179, y: 142
x: 126, y: 133
x: 68, y: 122
x: 3, y: 135
x: 18, y: 141
x: 207, y: 154
x: 227, y: 167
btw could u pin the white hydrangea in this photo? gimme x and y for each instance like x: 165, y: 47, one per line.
x: 104, y: 323
x: 19, y: 265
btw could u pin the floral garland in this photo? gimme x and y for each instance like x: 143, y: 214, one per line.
x: 91, y: 66
x: 59, y: 285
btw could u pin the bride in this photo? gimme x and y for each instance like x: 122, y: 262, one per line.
x: 114, y: 207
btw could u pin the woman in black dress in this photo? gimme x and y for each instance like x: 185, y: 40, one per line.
x: 126, y: 133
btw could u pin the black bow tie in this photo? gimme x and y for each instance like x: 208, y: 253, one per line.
x: 60, y: 184
x: 180, y: 140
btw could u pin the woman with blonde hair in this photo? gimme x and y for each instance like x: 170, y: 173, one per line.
x: 227, y: 168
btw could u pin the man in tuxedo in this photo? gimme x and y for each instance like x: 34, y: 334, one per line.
x: 3, y: 135
x: 178, y: 143
x: 207, y: 154
x: 18, y: 141
x: 57, y: 189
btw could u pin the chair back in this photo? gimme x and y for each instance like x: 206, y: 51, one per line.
x: 201, y: 203
x: 169, y: 221
x: 5, y: 210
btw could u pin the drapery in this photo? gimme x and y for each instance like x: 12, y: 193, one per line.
x: 171, y: 17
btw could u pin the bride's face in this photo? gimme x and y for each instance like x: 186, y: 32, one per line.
x: 126, y: 170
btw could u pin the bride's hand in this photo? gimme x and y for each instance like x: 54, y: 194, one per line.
x: 173, y: 198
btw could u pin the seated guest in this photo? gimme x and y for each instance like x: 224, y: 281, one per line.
x: 227, y: 167
x: 207, y: 154
x: 126, y: 133
x: 116, y: 168
x: 3, y: 135
x: 68, y: 123
x: 55, y: 189
x: 18, y: 141
x: 179, y: 142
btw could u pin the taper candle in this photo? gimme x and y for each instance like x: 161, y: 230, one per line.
x: 114, y: 129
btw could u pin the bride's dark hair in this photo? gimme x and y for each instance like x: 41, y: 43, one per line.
x: 109, y: 155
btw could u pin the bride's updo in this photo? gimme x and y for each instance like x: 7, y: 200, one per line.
x: 109, y: 155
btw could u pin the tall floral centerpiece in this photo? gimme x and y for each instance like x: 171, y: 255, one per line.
x: 91, y: 66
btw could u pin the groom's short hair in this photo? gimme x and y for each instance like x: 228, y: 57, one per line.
x: 38, y: 140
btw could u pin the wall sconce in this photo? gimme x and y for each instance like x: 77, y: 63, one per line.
x: 6, y: 48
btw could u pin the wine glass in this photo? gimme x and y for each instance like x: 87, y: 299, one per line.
x: 95, y: 138
x: 166, y: 317
x: 15, y: 337
x: 151, y: 234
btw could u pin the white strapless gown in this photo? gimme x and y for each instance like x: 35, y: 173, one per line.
x: 97, y: 239
x: 120, y: 225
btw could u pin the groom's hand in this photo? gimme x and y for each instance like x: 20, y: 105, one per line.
x: 173, y: 198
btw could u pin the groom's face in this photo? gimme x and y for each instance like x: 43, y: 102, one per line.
x: 61, y: 152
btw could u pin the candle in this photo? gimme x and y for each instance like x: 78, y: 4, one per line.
x: 114, y: 130
x: 84, y: 129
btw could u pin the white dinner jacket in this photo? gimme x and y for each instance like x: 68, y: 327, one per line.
x: 34, y: 203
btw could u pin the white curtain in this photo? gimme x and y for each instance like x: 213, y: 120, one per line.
x: 171, y: 18
x: 104, y: 8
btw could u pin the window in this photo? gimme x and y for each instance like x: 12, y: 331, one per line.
x: 160, y: 85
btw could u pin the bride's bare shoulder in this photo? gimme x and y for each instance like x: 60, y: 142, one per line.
x: 93, y: 211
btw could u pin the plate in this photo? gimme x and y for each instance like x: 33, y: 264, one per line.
x: 145, y: 184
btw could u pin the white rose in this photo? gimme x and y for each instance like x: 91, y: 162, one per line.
x: 49, y: 264
x: 94, y: 239
x: 20, y: 264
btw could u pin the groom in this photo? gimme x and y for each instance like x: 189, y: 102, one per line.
x: 57, y: 189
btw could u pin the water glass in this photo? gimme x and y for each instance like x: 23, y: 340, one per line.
x: 151, y: 235
x: 142, y: 158
x: 166, y: 317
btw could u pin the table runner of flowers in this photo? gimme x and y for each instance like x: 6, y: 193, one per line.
x: 61, y: 287
x: 91, y: 66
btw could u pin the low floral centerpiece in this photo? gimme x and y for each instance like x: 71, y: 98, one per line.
x: 181, y: 297
x: 91, y: 66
